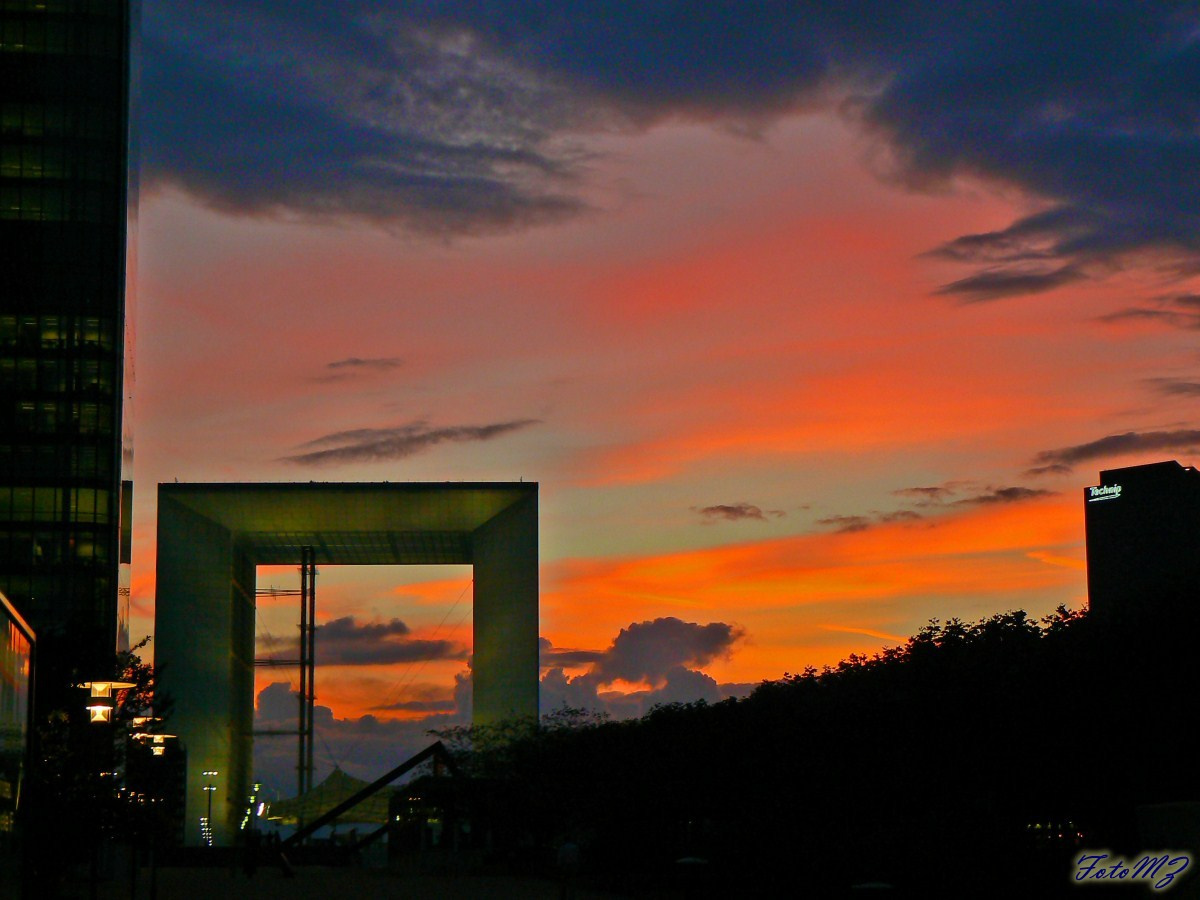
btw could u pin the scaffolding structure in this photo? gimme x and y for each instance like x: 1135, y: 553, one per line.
x: 306, y: 662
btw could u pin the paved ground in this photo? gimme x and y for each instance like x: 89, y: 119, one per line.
x: 331, y: 884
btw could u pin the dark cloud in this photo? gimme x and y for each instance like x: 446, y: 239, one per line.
x: 474, y: 115
x: 680, y: 685
x: 350, y: 109
x: 937, y: 497
x: 1120, y: 444
x: 846, y: 524
x: 1173, y: 310
x: 995, y: 283
x: 1175, y: 387
x: 899, y: 515
x: 1051, y: 469
x: 646, y: 651
x: 365, y: 747
x: 344, y: 642
x: 926, y: 495
x: 354, y: 362
x: 1004, y: 495
x: 382, y: 444
x: 735, y: 512
x: 665, y: 652
x: 553, y: 657
x: 356, y: 367
x: 427, y: 706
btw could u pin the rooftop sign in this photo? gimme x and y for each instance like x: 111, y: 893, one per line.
x: 1104, y: 492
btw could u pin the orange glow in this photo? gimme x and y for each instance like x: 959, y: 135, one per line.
x: 801, y: 597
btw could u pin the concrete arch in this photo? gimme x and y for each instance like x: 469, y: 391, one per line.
x: 212, y: 536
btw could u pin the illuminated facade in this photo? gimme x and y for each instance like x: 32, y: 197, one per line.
x: 16, y: 673
x: 64, y: 211
x: 212, y: 536
x: 1143, y: 552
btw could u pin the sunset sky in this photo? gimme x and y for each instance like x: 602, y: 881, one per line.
x: 811, y: 320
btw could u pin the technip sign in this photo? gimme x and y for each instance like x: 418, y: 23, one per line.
x: 1104, y: 492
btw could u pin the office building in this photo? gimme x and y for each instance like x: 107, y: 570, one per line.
x: 64, y: 211
x: 1143, y: 539
x: 16, y: 675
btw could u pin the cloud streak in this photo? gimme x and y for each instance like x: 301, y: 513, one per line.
x: 1119, y: 445
x: 344, y: 642
x: 736, y: 512
x: 355, y: 362
x: 357, y: 367
x: 383, y: 444
x: 1173, y: 310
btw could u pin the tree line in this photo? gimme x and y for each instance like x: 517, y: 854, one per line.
x: 974, y: 758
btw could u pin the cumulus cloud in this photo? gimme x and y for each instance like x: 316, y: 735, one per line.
x: 736, y: 512
x: 666, y: 653
x: 365, y: 747
x: 382, y: 444
x: 555, y: 657
x: 1121, y: 444
x: 680, y: 685
x: 475, y: 116
x: 646, y: 651
x: 344, y: 642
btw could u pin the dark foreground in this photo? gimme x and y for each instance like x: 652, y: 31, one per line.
x: 325, y: 883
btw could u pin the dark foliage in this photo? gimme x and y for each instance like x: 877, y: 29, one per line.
x: 923, y: 766
x: 75, y: 796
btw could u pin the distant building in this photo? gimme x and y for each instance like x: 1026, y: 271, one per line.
x: 16, y: 677
x: 1143, y: 538
x: 64, y: 208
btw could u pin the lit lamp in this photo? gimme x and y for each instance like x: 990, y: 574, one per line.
x: 157, y: 742
x: 159, y: 745
x: 102, y: 699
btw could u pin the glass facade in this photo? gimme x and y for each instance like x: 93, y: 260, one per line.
x: 16, y: 672
x: 64, y: 77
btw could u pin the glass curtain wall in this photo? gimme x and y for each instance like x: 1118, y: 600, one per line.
x: 64, y: 75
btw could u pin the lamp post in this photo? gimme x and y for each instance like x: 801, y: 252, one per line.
x: 206, y: 832
x: 102, y: 699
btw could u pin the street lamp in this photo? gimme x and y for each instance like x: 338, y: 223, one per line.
x: 100, y: 710
x: 206, y: 829
x: 102, y: 700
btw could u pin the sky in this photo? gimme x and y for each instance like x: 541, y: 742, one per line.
x: 811, y: 320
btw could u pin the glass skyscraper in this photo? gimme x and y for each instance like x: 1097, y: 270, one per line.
x: 64, y: 215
